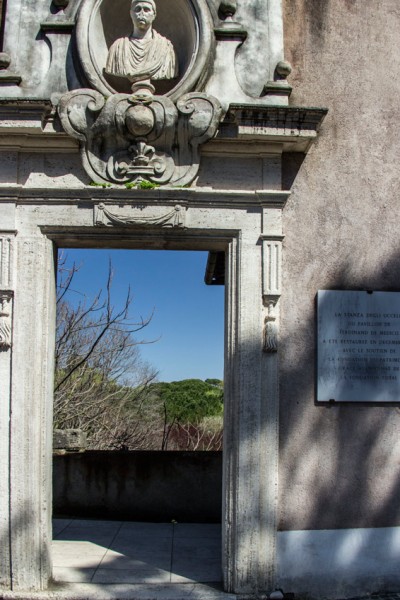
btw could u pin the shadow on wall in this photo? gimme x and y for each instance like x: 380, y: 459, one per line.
x: 155, y: 486
x: 340, y: 464
x: 13, y: 548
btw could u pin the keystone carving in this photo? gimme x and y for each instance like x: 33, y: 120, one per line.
x: 128, y: 139
x: 5, y: 320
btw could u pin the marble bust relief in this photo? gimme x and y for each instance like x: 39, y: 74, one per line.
x: 145, y: 55
x: 164, y: 48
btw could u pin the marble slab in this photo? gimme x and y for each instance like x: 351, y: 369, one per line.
x: 358, y: 346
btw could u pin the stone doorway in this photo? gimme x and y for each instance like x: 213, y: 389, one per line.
x: 221, y: 225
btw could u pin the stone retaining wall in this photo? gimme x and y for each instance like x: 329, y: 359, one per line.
x: 139, y: 486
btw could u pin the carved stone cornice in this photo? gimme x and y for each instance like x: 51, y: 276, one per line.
x: 128, y: 139
x: 245, y: 128
x: 293, y: 127
x: 89, y: 195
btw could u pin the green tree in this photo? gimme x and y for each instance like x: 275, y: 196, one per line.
x: 185, y: 405
x: 190, y: 400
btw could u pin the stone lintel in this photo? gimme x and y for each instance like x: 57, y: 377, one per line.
x: 167, y: 195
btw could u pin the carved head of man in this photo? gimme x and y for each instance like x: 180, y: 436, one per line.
x: 143, y: 13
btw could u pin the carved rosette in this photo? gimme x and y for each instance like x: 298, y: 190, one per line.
x: 128, y: 139
x: 5, y: 320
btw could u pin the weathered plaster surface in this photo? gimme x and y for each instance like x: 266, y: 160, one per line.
x: 339, y: 466
x: 263, y: 48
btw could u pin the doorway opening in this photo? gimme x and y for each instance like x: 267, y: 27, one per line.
x: 130, y: 506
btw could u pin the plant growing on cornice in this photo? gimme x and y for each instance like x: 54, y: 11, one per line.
x: 142, y: 185
x: 102, y: 185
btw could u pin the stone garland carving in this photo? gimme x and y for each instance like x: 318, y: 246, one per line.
x: 173, y: 218
x: 127, y: 138
x: 5, y: 320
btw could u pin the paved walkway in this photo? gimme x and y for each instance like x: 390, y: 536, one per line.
x: 113, y: 552
x: 116, y: 560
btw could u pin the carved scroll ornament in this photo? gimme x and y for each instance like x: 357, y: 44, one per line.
x: 127, y: 138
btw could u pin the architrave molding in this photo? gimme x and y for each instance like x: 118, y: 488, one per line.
x: 33, y: 123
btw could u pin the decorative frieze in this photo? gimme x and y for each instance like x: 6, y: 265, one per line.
x: 175, y: 217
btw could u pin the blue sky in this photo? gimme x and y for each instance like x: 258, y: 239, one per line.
x: 188, y: 319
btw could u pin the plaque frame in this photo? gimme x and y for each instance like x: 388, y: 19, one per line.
x: 358, y: 347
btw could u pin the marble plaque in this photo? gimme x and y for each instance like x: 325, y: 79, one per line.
x: 358, y: 358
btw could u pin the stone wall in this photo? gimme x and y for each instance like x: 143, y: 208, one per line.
x: 339, y: 466
x: 139, y: 486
